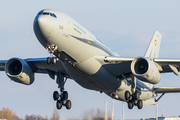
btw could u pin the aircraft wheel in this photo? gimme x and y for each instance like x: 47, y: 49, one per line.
x: 54, y: 60
x: 48, y: 60
x: 65, y: 95
x: 127, y: 95
x: 59, y: 104
x: 130, y: 104
x: 136, y: 95
x: 140, y: 104
x: 55, y: 95
x: 68, y: 104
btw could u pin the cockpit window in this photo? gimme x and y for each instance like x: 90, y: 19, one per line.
x: 47, y: 13
x: 53, y: 15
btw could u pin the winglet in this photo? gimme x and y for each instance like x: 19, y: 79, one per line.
x: 154, y: 46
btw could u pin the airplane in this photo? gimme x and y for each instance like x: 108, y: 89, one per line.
x: 75, y: 53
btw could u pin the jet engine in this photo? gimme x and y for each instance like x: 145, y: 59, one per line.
x: 19, y: 71
x: 145, y: 70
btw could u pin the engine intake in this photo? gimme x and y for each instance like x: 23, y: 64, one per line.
x: 19, y: 71
x: 145, y: 69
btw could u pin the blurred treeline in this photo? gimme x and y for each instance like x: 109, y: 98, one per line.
x: 7, y: 114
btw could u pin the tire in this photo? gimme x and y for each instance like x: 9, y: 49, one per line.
x: 68, y: 104
x: 48, y: 60
x: 59, y: 104
x: 55, y: 95
x: 53, y: 60
x: 65, y: 95
x: 127, y: 95
x: 136, y: 95
x: 140, y: 104
x: 130, y: 105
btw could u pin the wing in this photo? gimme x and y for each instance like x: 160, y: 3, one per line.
x: 39, y: 65
x: 117, y: 65
x: 168, y: 65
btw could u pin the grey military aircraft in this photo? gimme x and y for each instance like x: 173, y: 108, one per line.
x: 77, y: 54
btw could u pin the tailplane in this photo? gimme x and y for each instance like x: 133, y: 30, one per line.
x: 154, y: 46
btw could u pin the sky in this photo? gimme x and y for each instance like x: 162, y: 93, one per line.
x: 125, y: 26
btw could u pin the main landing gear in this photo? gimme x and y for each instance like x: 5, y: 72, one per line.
x: 133, y: 100
x: 61, y: 99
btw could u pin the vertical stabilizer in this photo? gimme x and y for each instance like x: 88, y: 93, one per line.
x: 154, y: 46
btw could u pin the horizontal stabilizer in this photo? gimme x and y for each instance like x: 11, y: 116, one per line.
x: 166, y: 90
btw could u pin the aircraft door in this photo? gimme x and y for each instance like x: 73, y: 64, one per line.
x: 68, y: 23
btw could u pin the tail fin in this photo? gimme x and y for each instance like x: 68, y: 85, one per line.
x: 154, y: 46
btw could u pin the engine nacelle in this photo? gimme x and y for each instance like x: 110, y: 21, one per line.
x: 19, y: 71
x: 144, y: 69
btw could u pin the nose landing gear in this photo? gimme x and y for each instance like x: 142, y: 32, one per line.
x: 51, y: 49
x: 61, y: 99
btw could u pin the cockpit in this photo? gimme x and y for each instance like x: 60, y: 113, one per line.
x: 47, y: 13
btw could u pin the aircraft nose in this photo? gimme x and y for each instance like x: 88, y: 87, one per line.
x: 41, y: 25
x: 42, y: 29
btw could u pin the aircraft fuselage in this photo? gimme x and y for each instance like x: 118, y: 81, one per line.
x: 76, y: 47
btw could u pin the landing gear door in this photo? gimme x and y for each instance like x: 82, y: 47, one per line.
x: 68, y: 23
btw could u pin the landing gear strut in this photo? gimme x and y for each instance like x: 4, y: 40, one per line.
x: 62, y: 99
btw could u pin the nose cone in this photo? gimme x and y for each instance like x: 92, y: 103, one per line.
x: 41, y: 24
x: 42, y: 29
